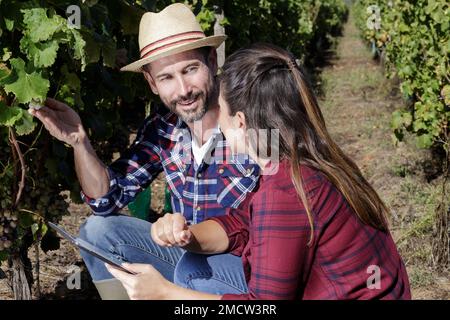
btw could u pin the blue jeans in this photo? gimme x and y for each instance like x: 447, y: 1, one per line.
x: 129, y: 240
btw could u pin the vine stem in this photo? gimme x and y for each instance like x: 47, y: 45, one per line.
x: 13, y: 140
x: 30, y: 148
x: 37, y: 269
x: 33, y: 213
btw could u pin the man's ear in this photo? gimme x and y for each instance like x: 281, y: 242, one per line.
x: 212, y: 61
x: 240, y: 120
x: 150, y: 81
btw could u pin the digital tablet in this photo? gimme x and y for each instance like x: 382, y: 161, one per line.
x: 87, y: 247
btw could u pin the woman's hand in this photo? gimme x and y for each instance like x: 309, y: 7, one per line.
x: 147, y: 284
x: 171, y: 230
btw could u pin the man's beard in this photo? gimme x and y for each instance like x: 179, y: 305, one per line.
x: 208, y: 96
x: 191, y: 115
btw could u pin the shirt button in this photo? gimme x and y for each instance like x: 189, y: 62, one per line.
x: 198, y: 208
x: 221, y: 170
x: 249, y: 171
x: 199, y: 175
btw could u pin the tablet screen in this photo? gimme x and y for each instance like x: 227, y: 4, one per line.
x: 87, y: 247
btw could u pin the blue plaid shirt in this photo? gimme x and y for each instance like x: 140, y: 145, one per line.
x: 164, y: 143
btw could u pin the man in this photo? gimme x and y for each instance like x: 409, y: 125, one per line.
x: 181, y: 138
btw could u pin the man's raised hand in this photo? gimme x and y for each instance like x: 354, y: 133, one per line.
x: 61, y: 121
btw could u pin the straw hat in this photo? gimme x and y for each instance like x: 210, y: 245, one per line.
x: 171, y: 31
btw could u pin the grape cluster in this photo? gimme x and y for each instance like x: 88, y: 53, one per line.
x: 8, y: 224
x: 45, y: 199
x: 40, y: 196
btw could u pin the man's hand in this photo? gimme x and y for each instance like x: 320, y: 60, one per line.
x: 61, y: 121
x: 171, y: 230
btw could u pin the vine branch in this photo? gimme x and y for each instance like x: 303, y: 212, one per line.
x: 13, y: 140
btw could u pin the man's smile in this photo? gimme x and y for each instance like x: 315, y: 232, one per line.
x: 187, y: 103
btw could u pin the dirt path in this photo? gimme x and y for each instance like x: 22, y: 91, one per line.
x: 357, y: 104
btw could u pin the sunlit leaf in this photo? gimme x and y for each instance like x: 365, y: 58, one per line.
x: 9, y: 115
x: 26, y: 86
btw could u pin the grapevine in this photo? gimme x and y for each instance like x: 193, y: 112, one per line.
x: 414, y: 39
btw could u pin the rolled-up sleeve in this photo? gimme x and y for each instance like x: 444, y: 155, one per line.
x: 236, y: 225
x: 137, y: 167
x: 236, y: 231
x: 279, y: 237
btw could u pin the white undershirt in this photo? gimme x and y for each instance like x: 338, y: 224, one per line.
x: 200, y: 152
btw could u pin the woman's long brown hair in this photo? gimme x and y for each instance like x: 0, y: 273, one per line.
x: 264, y: 82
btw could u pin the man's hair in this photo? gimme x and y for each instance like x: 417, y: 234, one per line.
x: 204, y: 51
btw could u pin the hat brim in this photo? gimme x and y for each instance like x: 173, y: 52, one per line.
x: 212, y: 41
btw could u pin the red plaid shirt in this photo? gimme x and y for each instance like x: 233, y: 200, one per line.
x: 272, y: 236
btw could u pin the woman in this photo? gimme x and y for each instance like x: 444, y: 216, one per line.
x: 315, y: 228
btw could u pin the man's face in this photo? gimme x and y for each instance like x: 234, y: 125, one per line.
x: 184, y: 82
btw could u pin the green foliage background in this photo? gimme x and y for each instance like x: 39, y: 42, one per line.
x: 414, y: 40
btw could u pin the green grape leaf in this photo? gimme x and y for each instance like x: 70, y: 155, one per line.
x: 9, y: 24
x: 438, y: 16
x: 78, y: 45
x: 39, y: 230
x: 92, y: 47
x: 26, y: 86
x: 70, y: 90
x: 400, y: 119
x: 6, y: 54
x: 42, y: 54
x: 70, y: 79
x: 9, y: 115
x: 425, y: 141
x: 225, y: 22
x: 40, y: 27
x: 34, y: 229
x: 44, y: 229
x: 25, y: 125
